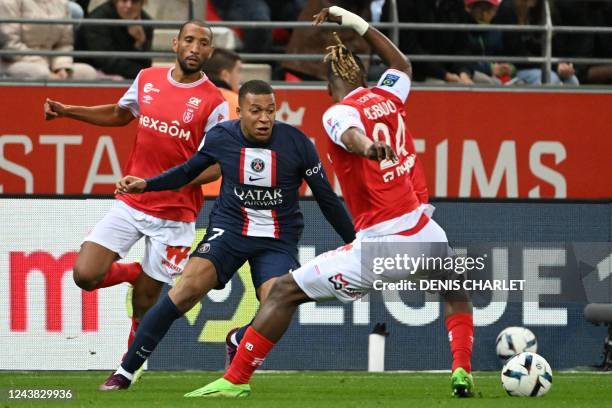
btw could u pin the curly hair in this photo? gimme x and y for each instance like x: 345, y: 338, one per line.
x: 343, y: 63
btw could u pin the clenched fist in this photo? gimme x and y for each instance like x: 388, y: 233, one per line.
x: 54, y: 109
x: 130, y: 185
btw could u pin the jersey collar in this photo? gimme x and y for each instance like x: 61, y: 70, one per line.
x: 353, y: 92
x: 181, y: 85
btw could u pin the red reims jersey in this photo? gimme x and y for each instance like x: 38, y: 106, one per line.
x: 377, y: 194
x: 172, y: 120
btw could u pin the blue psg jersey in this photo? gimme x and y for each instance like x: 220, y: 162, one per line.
x: 260, y: 190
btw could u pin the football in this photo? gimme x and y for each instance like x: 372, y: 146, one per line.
x: 527, y: 375
x: 514, y: 340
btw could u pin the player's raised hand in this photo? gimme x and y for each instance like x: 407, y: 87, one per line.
x: 53, y: 109
x: 324, y: 15
x: 380, y: 151
x: 130, y: 185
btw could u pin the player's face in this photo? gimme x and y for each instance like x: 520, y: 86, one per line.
x: 193, y: 48
x: 257, y: 114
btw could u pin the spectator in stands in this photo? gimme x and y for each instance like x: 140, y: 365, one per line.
x: 118, y: 38
x: 529, y: 44
x: 258, y: 40
x: 588, y: 45
x: 52, y: 37
x: 486, y: 42
x: 312, y: 40
x: 435, y: 42
x: 224, y: 70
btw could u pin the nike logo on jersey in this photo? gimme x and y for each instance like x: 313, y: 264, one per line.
x: 251, y: 178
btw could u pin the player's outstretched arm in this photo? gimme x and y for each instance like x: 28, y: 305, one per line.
x: 207, y: 176
x: 101, y: 115
x: 380, y: 44
x: 357, y: 142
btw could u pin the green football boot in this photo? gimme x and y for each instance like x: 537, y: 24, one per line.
x: 462, y: 383
x: 222, y: 388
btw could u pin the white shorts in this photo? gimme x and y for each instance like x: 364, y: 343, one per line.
x: 167, y: 243
x: 347, y: 274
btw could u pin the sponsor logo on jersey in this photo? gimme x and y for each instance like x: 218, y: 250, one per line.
x: 204, y: 248
x: 149, y: 87
x: 390, y: 80
x: 173, y: 128
x: 317, y: 169
x: 194, y: 102
x: 259, y: 197
x: 258, y: 165
x: 147, y: 99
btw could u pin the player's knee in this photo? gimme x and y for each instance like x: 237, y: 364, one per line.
x: 186, y: 296
x: 83, y: 279
x: 285, y: 292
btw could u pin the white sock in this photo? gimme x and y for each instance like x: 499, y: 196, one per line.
x: 124, y: 373
x: 233, y: 339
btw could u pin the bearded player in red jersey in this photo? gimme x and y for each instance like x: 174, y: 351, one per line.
x: 176, y: 106
x: 384, y: 188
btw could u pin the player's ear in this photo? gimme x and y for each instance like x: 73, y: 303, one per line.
x: 238, y: 111
x: 175, y: 44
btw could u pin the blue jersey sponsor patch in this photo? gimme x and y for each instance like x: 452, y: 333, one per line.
x: 390, y: 80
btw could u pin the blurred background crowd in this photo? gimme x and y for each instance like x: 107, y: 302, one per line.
x: 225, y: 68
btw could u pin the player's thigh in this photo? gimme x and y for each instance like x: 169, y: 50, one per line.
x: 333, y: 275
x: 268, y: 266
x: 93, y: 261
x: 198, y: 278
x: 225, y: 250
x: 117, y: 231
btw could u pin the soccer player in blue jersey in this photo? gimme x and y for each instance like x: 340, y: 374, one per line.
x: 256, y: 217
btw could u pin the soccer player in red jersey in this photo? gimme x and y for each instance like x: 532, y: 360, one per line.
x: 384, y: 189
x: 175, y: 107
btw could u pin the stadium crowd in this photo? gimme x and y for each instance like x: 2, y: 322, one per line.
x: 306, y: 40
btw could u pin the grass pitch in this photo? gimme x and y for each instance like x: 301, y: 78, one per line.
x: 307, y: 389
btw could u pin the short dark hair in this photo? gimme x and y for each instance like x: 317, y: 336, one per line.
x: 199, y: 23
x: 221, y: 59
x: 254, y: 87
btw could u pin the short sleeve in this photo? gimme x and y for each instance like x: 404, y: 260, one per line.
x: 218, y: 115
x: 129, y: 100
x: 338, y: 119
x: 396, y: 82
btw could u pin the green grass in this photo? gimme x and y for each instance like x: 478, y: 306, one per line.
x: 310, y: 389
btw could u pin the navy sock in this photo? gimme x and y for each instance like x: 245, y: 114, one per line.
x: 240, y: 333
x: 152, y: 329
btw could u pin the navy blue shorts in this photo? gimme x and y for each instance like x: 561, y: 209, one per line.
x: 228, y: 251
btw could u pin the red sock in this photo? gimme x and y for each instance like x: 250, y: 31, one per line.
x: 460, y: 328
x: 252, y: 351
x: 119, y: 273
x: 133, y: 331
